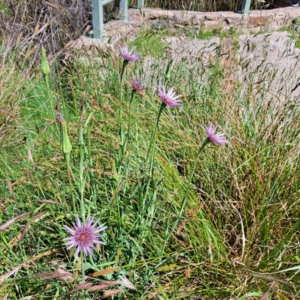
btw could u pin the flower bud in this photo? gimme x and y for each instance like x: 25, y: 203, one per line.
x: 44, y: 63
x: 66, y: 146
x: 168, y: 71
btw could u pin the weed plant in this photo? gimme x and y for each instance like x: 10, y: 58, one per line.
x: 183, y: 220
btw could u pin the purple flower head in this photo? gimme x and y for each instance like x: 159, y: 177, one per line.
x: 136, y: 84
x: 169, y: 98
x: 128, y: 55
x: 217, y: 138
x: 84, y: 236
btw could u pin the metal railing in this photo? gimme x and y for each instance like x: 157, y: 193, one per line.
x: 98, y: 18
x: 246, y: 6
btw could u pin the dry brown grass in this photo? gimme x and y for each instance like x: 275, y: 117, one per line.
x: 27, y: 25
x: 30, y: 24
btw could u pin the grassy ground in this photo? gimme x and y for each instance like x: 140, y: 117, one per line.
x: 294, y: 31
x: 228, y: 230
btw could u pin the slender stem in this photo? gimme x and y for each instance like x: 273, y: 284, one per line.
x: 152, y: 141
x: 81, y: 168
x: 120, y: 112
x: 82, y: 266
x: 129, y: 121
x: 185, y: 195
x: 46, y: 78
x: 48, y: 93
x: 67, y: 157
x: 127, y: 137
x: 125, y: 63
x: 150, y: 157
x: 121, y: 145
x: 190, y: 178
x: 66, y: 148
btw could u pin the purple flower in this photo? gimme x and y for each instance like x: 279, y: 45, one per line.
x: 169, y: 98
x: 84, y: 236
x: 128, y: 55
x: 136, y: 84
x: 217, y: 138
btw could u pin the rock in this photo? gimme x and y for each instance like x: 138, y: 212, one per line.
x: 258, y: 21
x: 212, y: 16
x: 233, y: 19
x: 212, y: 24
x: 159, y: 25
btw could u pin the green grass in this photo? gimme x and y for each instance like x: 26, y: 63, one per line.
x: 3, y: 8
x: 294, y: 31
x: 151, y: 40
x: 240, y: 226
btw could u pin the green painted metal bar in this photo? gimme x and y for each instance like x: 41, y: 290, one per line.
x: 141, y: 4
x: 246, y: 6
x: 124, y: 10
x: 98, y: 24
x: 98, y: 17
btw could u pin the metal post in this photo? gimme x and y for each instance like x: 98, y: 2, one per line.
x: 246, y: 6
x: 98, y: 18
x: 123, y: 10
x: 97, y: 13
x: 141, y: 4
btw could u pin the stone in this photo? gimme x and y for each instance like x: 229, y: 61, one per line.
x: 198, y: 19
x: 160, y: 25
x: 232, y: 20
x: 212, y: 16
x: 257, y: 21
x: 212, y: 24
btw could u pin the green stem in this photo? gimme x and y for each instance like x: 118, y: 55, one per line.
x: 121, y: 145
x: 82, y: 267
x: 46, y: 78
x: 48, y: 93
x: 191, y: 177
x: 150, y: 158
x: 125, y: 63
x: 183, y: 204
x: 151, y: 150
x: 67, y: 157
x: 129, y: 121
x: 81, y: 168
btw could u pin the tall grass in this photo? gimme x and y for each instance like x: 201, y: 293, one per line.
x: 207, y: 5
x: 239, y: 230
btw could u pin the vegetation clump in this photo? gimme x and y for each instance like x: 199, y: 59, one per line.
x: 116, y: 183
